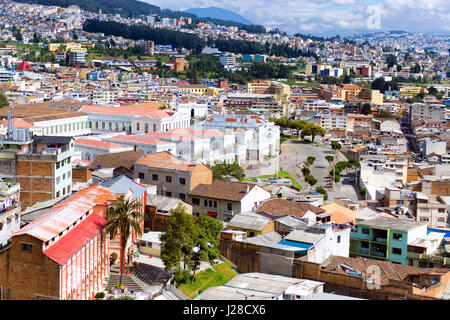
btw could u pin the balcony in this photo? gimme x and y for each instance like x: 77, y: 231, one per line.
x: 376, y: 239
x: 364, y: 250
x: 54, y: 151
x: 228, y: 212
x: 378, y: 254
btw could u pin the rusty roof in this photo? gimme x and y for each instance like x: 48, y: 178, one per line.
x: 65, y: 213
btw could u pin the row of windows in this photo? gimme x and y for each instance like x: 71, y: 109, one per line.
x: 65, y: 127
x: 64, y: 191
x: 63, y: 162
x: 68, y: 175
x: 155, y: 177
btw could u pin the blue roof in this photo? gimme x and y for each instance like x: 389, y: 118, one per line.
x: 301, y: 245
x: 122, y: 183
x: 446, y: 235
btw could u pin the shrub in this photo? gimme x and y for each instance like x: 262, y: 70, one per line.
x: 99, y: 295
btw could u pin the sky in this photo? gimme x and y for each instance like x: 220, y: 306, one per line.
x: 331, y: 17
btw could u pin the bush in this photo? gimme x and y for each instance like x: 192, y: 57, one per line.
x: 181, y: 277
x: 99, y: 295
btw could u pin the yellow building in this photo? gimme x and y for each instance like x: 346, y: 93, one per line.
x: 70, y: 46
x: 193, y: 88
x: 211, y: 91
x: 412, y: 91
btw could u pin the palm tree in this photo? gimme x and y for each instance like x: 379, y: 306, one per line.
x: 123, y: 218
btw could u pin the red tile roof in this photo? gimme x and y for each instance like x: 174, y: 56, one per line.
x: 205, y: 132
x: 69, y: 244
x: 97, y: 143
x: 127, y: 111
x: 135, y: 139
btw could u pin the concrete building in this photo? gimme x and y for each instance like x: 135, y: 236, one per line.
x: 172, y: 176
x: 385, y: 238
x: 63, y: 255
x: 225, y: 199
x: 10, y: 211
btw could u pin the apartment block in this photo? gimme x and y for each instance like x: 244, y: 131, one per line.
x: 173, y: 177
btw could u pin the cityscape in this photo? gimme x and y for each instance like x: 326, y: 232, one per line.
x: 190, y: 154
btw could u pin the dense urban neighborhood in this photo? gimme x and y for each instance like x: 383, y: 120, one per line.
x: 150, y: 154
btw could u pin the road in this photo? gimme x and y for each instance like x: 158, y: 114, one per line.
x: 293, y: 155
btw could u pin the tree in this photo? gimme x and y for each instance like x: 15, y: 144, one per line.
x: 432, y: 91
x: 123, y: 219
x: 335, y: 145
x: 322, y: 190
x: 311, y: 180
x: 329, y: 158
x: 310, y: 160
x: 178, y: 240
x: 207, y: 248
x: 3, y: 100
x: 379, y: 84
x: 366, y: 109
x: 306, y: 172
x: 221, y: 171
x: 363, y: 192
x: 391, y: 60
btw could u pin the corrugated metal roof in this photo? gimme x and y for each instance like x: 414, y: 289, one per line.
x: 65, y: 213
x: 77, y: 238
x: 120, y: 185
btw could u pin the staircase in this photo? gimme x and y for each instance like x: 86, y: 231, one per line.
x: 140, y: 278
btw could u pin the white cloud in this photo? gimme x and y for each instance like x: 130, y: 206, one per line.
x: 331, y: 16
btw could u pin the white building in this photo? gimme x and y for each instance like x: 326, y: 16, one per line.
x: 90, y: 149
x: 9, y: 211
x: 320, y: 241
x: 256, y: 137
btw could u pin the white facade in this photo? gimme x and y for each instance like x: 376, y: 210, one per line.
x: 147, y: 124
x: 192, y: 109
x: 91, y: 152
x: 74, y: 126
x: 254, y: 199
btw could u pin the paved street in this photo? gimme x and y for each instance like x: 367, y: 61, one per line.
x: 294, y: 154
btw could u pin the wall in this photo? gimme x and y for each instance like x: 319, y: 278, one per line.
x: 28, y: 276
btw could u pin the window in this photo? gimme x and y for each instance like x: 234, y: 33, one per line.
x: 365, y: 231
x: 182, y: 181
x: 195, y: 201
x: 68, y: 189
x: 27, y: 247
x: 168, y: 194
x: 205, y: 203
x: 215, y: 204
x: 338, y: 239
x: 423, y: 219
x: 169, y: 179
x: 154, y: 177
x: 364, y: 244
x: 141, y: 175
x: 397, y: 236
x: 396, y: 251
x: 229, y: 206
x: 137, y: 126
x: 182, y: 196
x: 57, y: 194
x: 441, y: 219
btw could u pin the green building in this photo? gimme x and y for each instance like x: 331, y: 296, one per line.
x: 385, y: 239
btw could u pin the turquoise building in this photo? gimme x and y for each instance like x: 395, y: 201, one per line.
x: 385, y: 239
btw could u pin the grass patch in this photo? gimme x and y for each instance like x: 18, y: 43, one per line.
x: 282, y: 174
x: 284, y: 137
x: 218, y: 275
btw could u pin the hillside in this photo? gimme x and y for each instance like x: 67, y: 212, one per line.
x: 124, y: 7
x: 219, y: 13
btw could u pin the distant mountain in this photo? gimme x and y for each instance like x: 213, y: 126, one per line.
x: 219, y: 13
